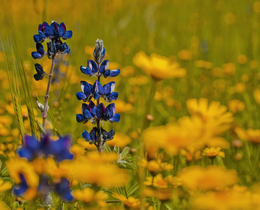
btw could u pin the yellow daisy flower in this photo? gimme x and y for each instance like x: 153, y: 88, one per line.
x: 158, y: 67
x: 213, y: 152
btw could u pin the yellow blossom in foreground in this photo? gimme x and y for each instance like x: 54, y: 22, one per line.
x: 4, y: 185
x: 130, y: 202
x: 161, y: 194
x: 225, y: 200
x: 88, y: 195
x: 250, y: 135
x: 3, y: 206
x: 209, y: 178
x: 213, y: 152
x: 158, y: 67
x: 17, y: 166
x: 94, y: 168
x: 77, y: 150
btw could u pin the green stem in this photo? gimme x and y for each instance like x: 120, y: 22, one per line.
x: 146, y: 123
x: 44, y: 116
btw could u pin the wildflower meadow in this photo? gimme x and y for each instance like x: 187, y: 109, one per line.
x: 149, y: 104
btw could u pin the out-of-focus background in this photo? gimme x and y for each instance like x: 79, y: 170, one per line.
x: 217, y: 42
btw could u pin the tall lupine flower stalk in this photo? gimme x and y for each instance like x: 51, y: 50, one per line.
x: 54, y: 32
x: 96, y: 113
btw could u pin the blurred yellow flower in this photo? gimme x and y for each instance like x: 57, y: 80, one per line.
x: 155, y: 166
x: 122, y: 107
x: 127, y: 71
x: 161, y: 194
x: 185, y: 55
x: 242, y: 59
x: 240, y: 87
x: 5, y: 120
x: 250, y: 135
x: 130, y: 202
x: 213, y: 152
x: 213, y: 111
x: 191, y: 154
x: 88, y: 195
x: 3, y: 206
x: 209, y: 178
x: 17, y: 166
x: 224, y: 200
x: 257, y: 96
x: 236, y: 106
x: 158, y: 67
x: 229, y: 68
x: 120, y: 140
x: 160, y: 182
x: 4, y: 185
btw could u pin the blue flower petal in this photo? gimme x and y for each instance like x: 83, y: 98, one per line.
x: 80, y: 118
x: 93, y: 66
x: 111, y: 134
x: 26, y: 153
x: 36, y: 55
x: 48, y: 31
x: 20, y: 189
x: 62, y: 29
x: 115, y: 118
x: 87, y: 114
x: 32, y: 143
x: 110, y: 111
x: 112, y: 96
x: 81, y: 96
x: 114, y: 73
x: 86, y: 70
x: 104, y: 66
x: 86, y: 135
x: 109, y: 88
x: 100, y: 111
x: 67, y: 35
x: 37, y: 38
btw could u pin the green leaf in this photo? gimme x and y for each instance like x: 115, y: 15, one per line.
x: 133, y: 188
x: 124, y: 153
x: 107, y: 148
x: 116, y: 149
x: 39, y: 125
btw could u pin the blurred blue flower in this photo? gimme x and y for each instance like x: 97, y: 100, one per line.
x: 33, y: 148
x: 22, y: 187
x: 63, y: 189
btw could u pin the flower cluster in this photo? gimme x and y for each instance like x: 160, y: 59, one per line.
x: 54, y: 32
x: 96, y: 113
x: 29, y: 180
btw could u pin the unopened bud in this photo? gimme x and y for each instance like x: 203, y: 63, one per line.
x: 150, y: 117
